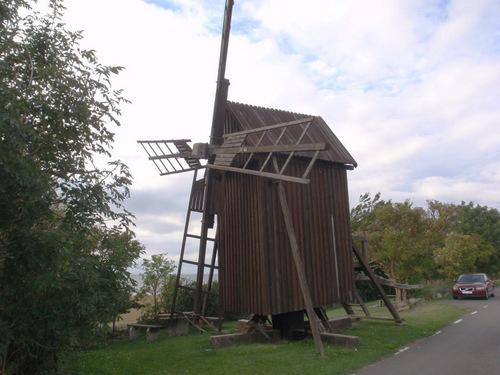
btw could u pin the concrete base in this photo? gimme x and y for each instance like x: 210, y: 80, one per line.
x: 226, y: 340
x: 152, y: 331
x: 341, y: 340
x: 152, y: 334
x: 134, y: 332
x: 340, y: 324
x: 242, y: 323
x: 178, y: 327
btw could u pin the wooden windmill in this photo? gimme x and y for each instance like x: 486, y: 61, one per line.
x: 275, y: 188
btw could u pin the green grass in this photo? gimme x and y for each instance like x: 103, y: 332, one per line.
x: 191, y: 354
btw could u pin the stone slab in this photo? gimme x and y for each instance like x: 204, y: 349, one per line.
x: 178, y: 327
x: 341, y: 340
x: 340, y: 324
x: 152, y: 334
x: 134, y: 332
x: 235, y: 338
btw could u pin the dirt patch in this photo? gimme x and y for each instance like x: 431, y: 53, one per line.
x: 130, y: 317
x: 134, y: 314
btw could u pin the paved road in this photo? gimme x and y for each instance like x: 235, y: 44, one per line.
x: 470, y: 345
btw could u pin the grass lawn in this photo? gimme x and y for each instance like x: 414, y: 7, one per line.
x: 191, y: 354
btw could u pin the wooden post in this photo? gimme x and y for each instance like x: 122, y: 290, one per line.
x: 222, y: 82
x: 313, y: 319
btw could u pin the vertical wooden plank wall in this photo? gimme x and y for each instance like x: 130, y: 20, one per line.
x: 256, y: 267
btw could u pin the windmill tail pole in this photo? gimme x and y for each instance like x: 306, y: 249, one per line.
x: 222, y: 82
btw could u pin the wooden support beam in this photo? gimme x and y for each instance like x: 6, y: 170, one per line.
x: 389, y: 282
x: 179, y: 171
x: 166, y: 141
x: 273, y: 176
x: 271, y: 127
x: 182, y: 155
x: 265, y: 149
x: 361, y: 303
x: 313, y: 319
x: 369, y: 273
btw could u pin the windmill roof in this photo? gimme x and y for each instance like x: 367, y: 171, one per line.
x: 250, y: 117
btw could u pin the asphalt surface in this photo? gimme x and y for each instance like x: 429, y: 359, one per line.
x: 470, y: 345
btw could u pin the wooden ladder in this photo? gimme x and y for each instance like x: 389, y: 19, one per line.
x: 196, y: 204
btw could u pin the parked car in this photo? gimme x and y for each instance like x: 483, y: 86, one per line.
x: 473, y: 285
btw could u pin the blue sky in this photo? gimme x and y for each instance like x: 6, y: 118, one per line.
x: 411, y: 88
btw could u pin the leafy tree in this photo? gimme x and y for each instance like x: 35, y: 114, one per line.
x: 116, y: 252
x: 399, y: 241
x: 485, y: 222
x: 411, y: 244
x: 443, y: 219
x: 158, y: 282
x: 65, y: 239
x: 399, y: 237
x: 461, y: 253
x: 479, y: 230
x: 362, y: 214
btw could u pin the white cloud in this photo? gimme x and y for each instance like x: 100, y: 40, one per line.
x: 410, y: 88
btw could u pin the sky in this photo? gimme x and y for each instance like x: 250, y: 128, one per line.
x: 411, y: 88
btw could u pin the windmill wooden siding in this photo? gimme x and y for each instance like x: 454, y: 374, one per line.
x: 256, y: 270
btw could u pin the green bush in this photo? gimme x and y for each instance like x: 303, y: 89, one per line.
x: 431, y: 290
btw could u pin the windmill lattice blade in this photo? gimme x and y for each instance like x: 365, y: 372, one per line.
x: 171, y: 156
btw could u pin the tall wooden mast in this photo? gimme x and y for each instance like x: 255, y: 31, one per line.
x: 222, y: 82
x: 215, y: 140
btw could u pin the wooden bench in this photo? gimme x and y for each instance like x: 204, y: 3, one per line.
x: 152, y: 331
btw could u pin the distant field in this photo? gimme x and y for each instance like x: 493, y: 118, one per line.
x: 188, y: 276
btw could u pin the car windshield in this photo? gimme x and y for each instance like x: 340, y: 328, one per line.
x: 470, y: 279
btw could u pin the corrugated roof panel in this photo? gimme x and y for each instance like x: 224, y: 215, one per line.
x: 251, y: 117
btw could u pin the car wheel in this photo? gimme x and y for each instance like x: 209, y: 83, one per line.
x: 455, y: 297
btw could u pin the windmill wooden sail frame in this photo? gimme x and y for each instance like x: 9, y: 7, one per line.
x: 234, y: 144
x: 161, y: 152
